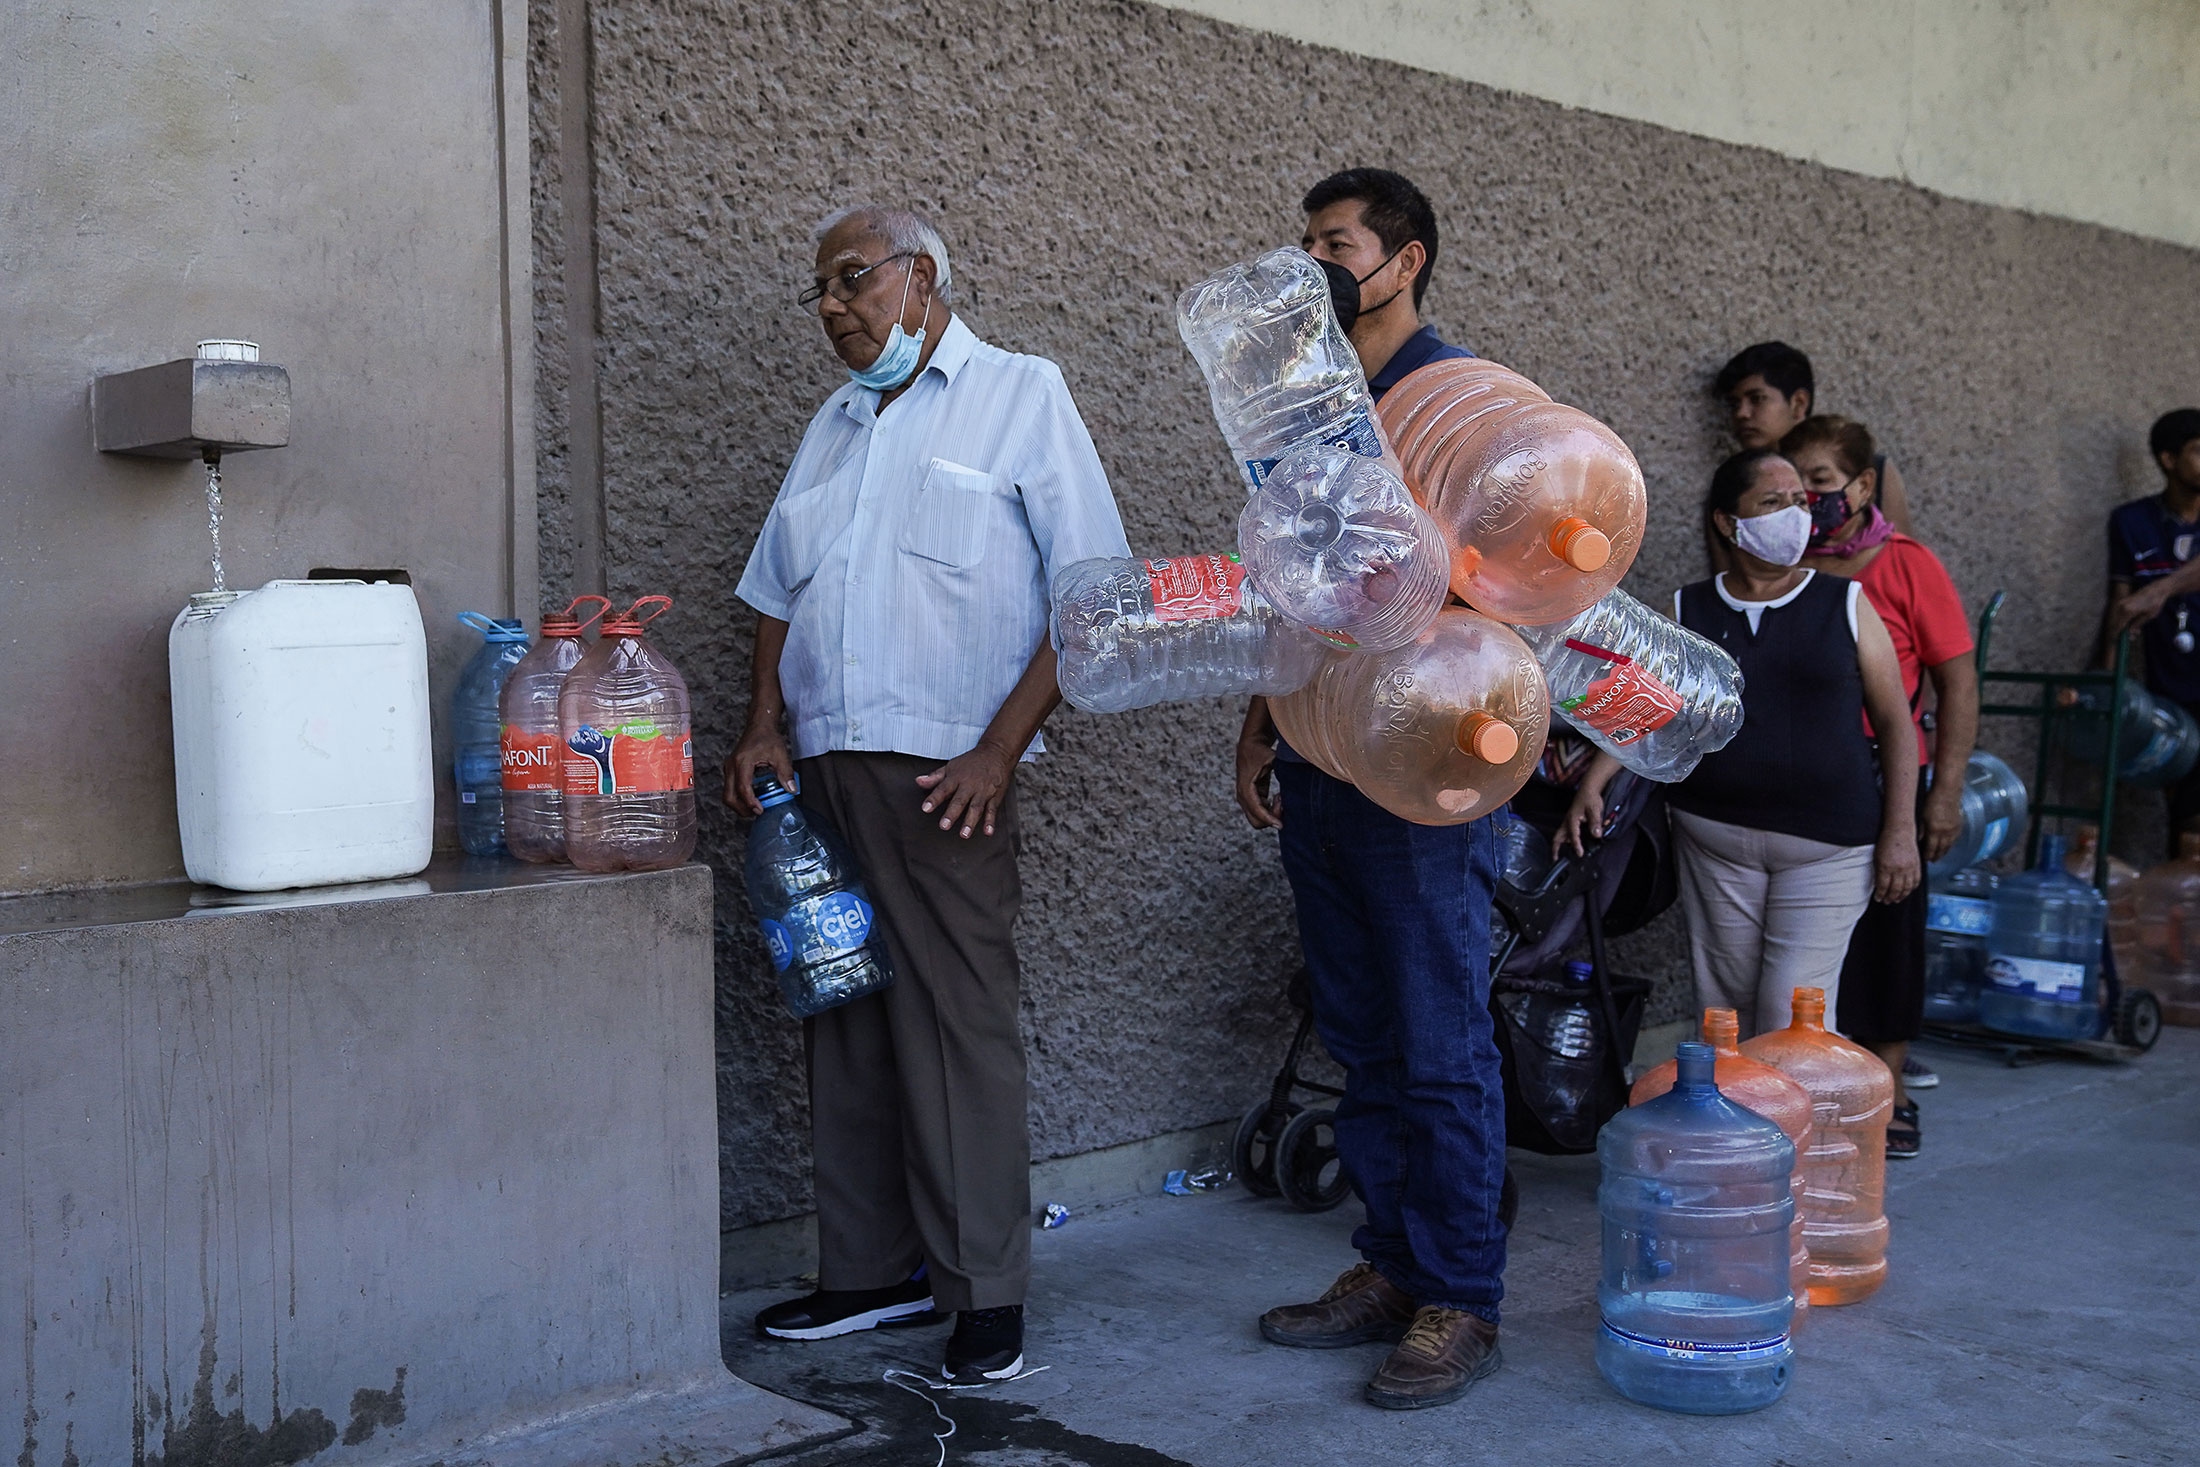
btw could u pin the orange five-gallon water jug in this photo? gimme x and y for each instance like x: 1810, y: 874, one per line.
x: 1845, y: 1172
x: 2166, y: 932
x: 1771, y: 1094
x: 629, y: 765
x: 1542, y: 505
x: 1440, y: 731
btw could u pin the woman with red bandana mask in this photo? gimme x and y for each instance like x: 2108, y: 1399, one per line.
x: 1882, y: 996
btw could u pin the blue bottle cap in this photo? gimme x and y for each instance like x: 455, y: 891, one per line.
x: 494, y: 629
x: 769, y: 791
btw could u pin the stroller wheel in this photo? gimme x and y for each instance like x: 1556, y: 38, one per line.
x: 1308, y: 1172
x: 1253, y: 1153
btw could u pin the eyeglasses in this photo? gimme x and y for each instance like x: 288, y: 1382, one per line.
x: 843, y: 287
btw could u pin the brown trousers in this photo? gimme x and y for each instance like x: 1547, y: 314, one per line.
x: 917, y: 1094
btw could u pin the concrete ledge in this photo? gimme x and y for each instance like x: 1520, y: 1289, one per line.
x: 777, y: 1251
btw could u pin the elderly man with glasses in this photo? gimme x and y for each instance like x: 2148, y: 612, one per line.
x: 902, y: 671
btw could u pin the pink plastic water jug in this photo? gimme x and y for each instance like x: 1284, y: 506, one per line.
x: 629, y: 762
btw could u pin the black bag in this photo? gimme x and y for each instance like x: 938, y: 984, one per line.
x: 1563, y: 1078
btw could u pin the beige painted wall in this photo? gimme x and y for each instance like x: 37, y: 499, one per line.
x: 2086, y: 109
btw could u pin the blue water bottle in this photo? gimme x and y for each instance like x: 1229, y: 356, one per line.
x: 2043, y: 961
x: 815, y: 915
x: 477, y: 739
x: 1697, y: 1209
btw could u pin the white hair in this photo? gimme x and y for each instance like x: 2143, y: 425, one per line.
x: 905, y: 231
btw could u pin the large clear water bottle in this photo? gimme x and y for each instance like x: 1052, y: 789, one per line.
x: 1697, y: 1212
x: 533, y: 744
x: 1280, y: 371
x: 477, y: 737
x: 1640, y: 686
x: 1959, y: 918
x: 1336, y: 543
x: 2043, y: 960
x: 2157, y: 742
x: 1132, y: 633
x: 629, y: 759
x: 1994, y: 810
x: 811, y: 906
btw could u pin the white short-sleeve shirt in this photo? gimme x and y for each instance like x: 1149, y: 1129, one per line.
x: 910, y: 553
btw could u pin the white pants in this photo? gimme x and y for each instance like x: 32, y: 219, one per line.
x: 1767, y: 914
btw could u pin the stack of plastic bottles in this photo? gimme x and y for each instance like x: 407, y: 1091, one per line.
x: 598, y: 755
x: 2166, y: 938
x: 1526, y: 510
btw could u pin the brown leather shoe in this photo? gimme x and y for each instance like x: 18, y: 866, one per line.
x: 1444, y: 1352
x: 1360, y: 1306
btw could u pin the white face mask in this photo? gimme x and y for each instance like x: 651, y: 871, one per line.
x: 1778, y: 538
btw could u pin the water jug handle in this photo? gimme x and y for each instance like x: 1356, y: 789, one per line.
x: 603, y: 604
x: 482, y: 624
x: 658, y: 605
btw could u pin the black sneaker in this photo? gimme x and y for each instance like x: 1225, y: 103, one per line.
x: 830, y: 1312
x: 988, y: 1344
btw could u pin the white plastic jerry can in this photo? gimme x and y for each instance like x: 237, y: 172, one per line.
x: 302, y: 741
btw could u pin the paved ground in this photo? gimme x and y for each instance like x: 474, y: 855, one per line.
x: 2041, y: 1310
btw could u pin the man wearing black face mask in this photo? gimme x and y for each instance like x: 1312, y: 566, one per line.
x: 1394, y: 920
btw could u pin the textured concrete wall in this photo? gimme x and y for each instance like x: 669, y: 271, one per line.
x: 359, y: 1174
x: 330, y: 181
x: 2084, y: 109
x: 1089, y: 159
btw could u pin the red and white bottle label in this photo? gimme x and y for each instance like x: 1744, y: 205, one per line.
x: 629, y: 759
x: 1625, y: 703
x: 533, y: 763
x: 1196, y: 587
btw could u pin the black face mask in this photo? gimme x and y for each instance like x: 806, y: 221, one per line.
x: 1367, y: 310
x: 1344, y: 293
x: 1828, y: 513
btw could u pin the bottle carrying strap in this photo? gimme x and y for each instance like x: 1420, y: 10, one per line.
x: 658, y: 606
x: 482, y: 624
x: 603, y: 605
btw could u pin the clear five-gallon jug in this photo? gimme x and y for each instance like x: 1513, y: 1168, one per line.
x: 2043, y: 961
x: 534, y: 744
x: 629, y: 765
x: 1959, y: 917
x: 301, y: 724
x: 1697, y: 1211
x: 1845, y: 1170
x: 1771, y: 1094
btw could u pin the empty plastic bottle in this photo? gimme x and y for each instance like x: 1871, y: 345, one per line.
x: 811, y: 906
x: 2157, y: 741
x: 1543, y: 506
x: 1698, y: 1209
x: 1280, y: 371
x: 1336, y: 544
x: 1769, y: 1093
x: 2043, y: 961
x: 1133, y: 633
x: 1640, y: 686
x: 629, y: 762
x: 534, y: 745
x: 1439, y: 732
x: 477, y: 740
x: 1527, y: 854
x: 1959, y: 917
x: 1845, y: 1170
x: 1994, y: 810
x: 2166, y: 931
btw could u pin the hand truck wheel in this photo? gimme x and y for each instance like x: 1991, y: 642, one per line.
x: 1253, y: 1151
x: 1308, y: 1172
x: 2139, y: 1019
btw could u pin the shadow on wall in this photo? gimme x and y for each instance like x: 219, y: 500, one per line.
x: 1090, y: 158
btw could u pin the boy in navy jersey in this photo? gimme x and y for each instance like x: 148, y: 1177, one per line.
x: 2154, y: 577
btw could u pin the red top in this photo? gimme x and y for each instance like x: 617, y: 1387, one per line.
x: 1910, y: 590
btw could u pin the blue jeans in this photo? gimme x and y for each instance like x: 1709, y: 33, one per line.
x: 1395, y: 922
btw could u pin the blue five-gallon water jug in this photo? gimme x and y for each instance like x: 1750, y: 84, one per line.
x: 477, y: 737
x: 812, y: 908
x: 1697, y: 1208
x: 2043, y: 961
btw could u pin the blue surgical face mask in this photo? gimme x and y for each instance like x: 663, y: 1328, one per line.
x: 897, y: 360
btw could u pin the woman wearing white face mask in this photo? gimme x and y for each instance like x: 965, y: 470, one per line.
x: 1785, y: 834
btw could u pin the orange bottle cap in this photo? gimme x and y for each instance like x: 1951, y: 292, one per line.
x: 1580, y: 544
x: 1488, y: 738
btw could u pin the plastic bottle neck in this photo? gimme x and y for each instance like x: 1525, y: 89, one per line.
x: 770, y: 792
x: 1810, y: 1009
x: 1722, y: 1030
x: 2051, y: 853
x: 1695, y: 1071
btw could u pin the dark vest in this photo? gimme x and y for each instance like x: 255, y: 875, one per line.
x: 1800, y: 764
